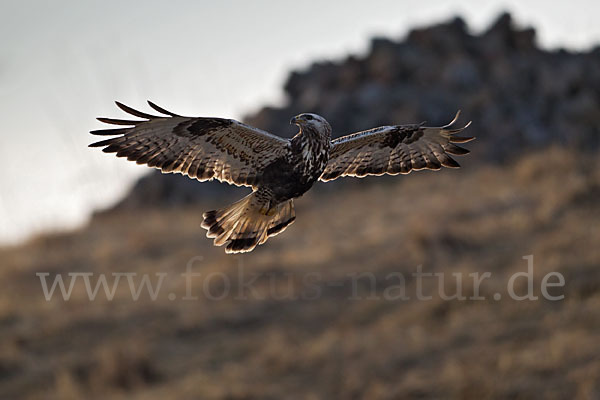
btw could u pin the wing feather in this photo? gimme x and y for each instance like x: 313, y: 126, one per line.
x: 201, y: 148
x: 395, y: 150
x: 162, y: 110
x: 134, y: 112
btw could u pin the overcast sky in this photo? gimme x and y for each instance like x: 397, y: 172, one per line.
x: 62, y: 63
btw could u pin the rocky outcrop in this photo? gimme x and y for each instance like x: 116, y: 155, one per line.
x: 519, y: 96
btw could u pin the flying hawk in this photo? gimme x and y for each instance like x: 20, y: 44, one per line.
x: 277, y: 169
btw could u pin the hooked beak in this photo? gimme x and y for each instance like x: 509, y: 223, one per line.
x: 296, y: 120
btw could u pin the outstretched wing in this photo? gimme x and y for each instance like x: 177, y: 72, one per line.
x: 201, y: 148
x: 395, y: 150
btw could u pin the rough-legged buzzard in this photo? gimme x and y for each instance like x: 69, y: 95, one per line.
x: 277, y: 169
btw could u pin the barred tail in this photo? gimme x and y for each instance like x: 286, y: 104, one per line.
x: 247, y: 223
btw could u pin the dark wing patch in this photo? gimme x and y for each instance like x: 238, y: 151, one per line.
x: 203, y: 126
x: 202, y: 148
x: 395, y: 150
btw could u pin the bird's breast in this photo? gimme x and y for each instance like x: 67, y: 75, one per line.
x: 314, y: 155
x: 293, y: 175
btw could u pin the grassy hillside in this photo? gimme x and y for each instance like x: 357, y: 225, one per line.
x: 309, y: 327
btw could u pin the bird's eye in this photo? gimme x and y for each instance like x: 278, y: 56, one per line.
x: 309, y: 117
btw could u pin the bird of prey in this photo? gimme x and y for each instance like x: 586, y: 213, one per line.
x: 277, y: 169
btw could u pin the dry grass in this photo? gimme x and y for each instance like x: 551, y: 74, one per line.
x: 475, y: 219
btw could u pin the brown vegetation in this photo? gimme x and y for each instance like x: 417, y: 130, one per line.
x: 476, y: 219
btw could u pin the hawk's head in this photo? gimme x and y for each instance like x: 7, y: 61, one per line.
x: 312, y: 122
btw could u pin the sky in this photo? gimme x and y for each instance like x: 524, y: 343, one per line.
x: 64, y: 62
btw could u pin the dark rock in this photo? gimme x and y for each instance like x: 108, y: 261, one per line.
x: 518, y: 96
x: 169, y: 190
